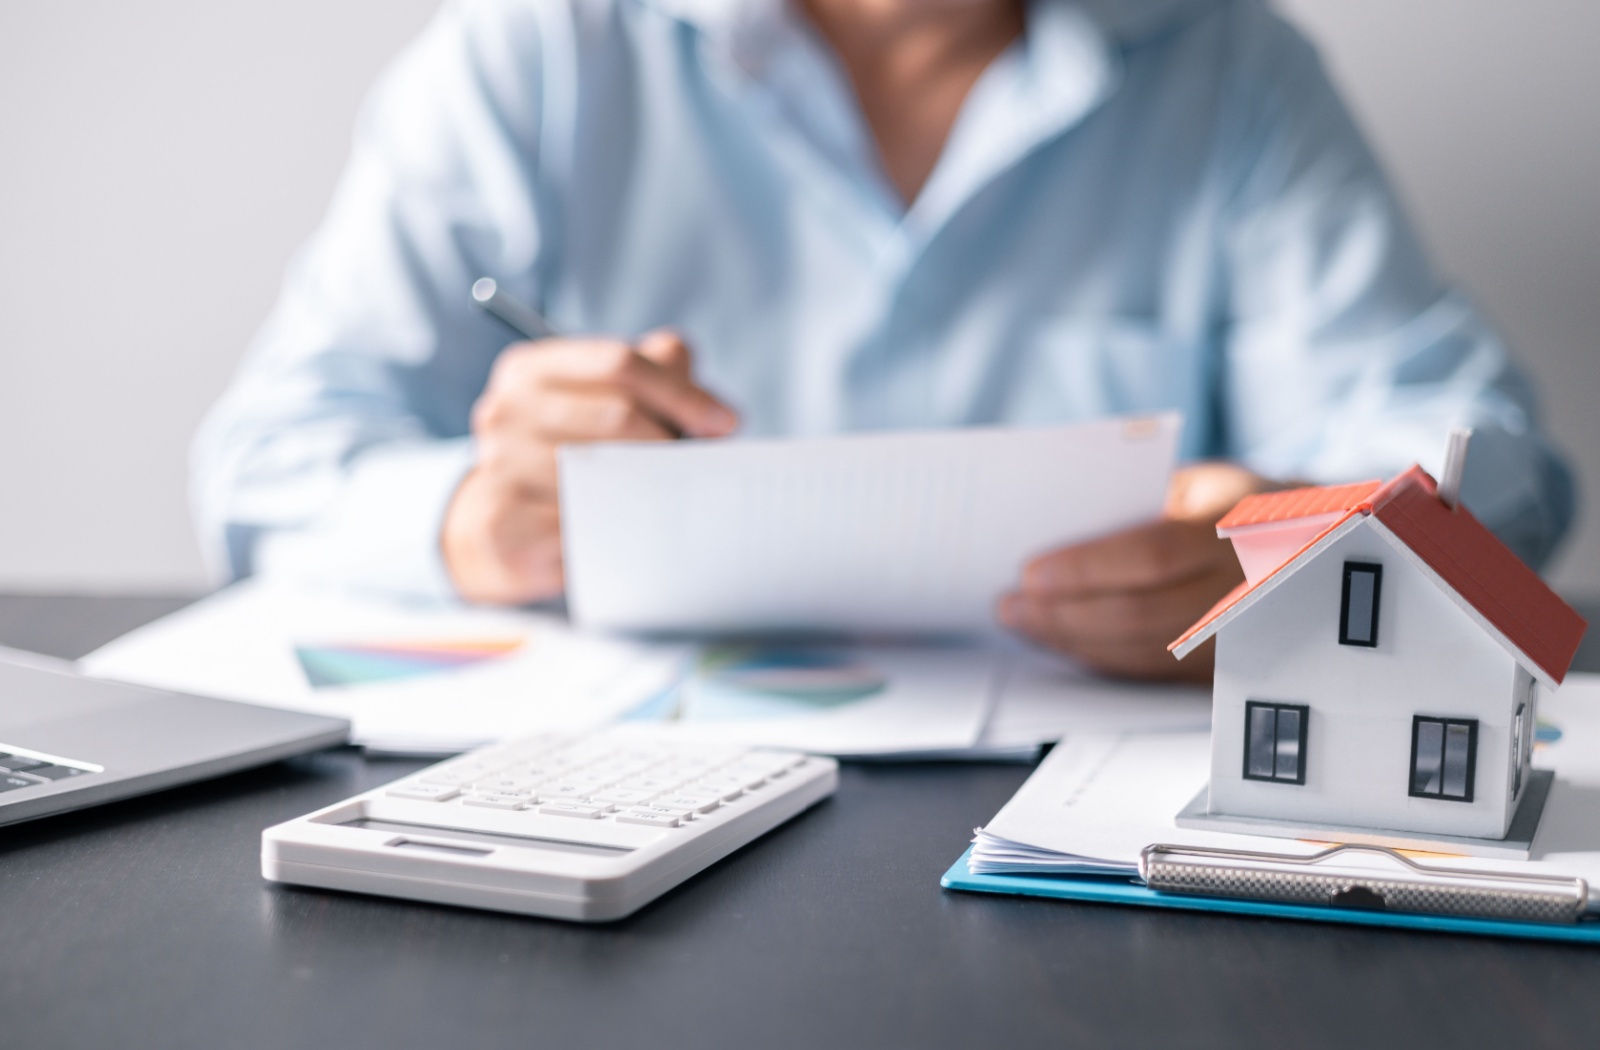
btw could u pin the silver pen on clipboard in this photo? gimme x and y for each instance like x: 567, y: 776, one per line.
x: 1314, y: 880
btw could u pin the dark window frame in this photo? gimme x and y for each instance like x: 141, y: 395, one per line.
x: 1519, y: 726
x: 1472, y: 757
x: 1305, y: 722
x: 1376, y: 570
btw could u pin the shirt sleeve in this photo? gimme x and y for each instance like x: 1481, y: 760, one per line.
x: 1346, y: 357
x: 334, y: 453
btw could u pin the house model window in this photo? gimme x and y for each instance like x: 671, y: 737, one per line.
x: 1275, y: 742
x: 1444, y: 752
x: 1358, y: 616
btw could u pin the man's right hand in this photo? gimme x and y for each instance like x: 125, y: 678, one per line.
x: 502, y: 532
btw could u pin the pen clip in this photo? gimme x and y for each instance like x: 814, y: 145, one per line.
x: 1418, y: 888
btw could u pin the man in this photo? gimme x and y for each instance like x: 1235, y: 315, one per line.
x: 853, y: 214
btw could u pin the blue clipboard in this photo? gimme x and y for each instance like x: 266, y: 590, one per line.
x: 1113, y: 890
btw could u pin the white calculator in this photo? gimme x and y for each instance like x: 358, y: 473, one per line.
x: 589, y: 828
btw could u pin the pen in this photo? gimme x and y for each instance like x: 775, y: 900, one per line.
x: 519, y: 315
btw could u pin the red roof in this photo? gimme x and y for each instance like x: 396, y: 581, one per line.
x: 1454, y: 544
x: 1297, y: 503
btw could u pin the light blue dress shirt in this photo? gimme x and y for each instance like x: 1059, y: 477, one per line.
x: 1144, y: 204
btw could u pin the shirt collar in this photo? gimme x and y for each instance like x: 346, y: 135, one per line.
x: 1062, y: 69
x: 1065, y: 66
x: 752, y: 24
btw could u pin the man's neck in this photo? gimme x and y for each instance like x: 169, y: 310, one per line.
x: 912, y: 63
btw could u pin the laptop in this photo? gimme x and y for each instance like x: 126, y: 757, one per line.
x: 69, y: 741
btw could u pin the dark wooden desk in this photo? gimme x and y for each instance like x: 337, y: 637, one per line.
x: 146, y: 923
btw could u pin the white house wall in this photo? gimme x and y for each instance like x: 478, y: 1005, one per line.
x: 1431, y: 659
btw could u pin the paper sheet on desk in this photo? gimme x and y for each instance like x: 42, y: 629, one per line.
x: 899, y: 532
x: 438, y: 679
x: 1098, y: 799
x: 1043, y: 698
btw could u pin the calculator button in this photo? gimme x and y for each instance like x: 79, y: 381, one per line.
x: 652, y: 783
x: 569, y: 796
x: 755, y: 769
x: 651, y: 817
x: 623, y: 796
x: 458, y: 774
x: 572, y: 809
x: 643, y: 756
x: 694, y: 803
x: 424, y: 792
x: 715, y: 789
x: 504, y: 786
x: 532, y: 770
x: 681, y: 771
x: 564, y: 789
x: 494, y: 801
x: 613, y: 769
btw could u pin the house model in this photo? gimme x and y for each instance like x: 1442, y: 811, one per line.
x: 1378, y: 672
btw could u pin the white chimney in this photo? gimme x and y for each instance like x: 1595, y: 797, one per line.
x: 1455, y: 464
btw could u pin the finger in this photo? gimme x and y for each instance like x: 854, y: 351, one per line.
x: 670, y: 396
x: 667, y: 350
x: 520, y: 451
x: 569, y: 415
x: 1141, y: 558
x: 1206, y: 491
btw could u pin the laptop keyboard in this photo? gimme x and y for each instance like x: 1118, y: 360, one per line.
x: 24, y: 771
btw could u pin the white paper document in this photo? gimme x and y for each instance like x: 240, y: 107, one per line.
x: 1044, y: 698
x: 903, y: 532
x: 1097, y: 800
x: 423, y: 679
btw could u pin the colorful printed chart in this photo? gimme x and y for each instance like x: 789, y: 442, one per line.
x: 366, y: 662
x: 744, y: 684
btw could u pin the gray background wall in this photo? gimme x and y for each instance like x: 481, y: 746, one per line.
x: 160, y: 161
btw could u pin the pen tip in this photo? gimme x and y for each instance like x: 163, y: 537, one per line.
x: 483, y: 289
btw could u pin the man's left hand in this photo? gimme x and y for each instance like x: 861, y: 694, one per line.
x: 1114, y: 603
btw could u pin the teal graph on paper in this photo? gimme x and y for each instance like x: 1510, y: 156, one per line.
x: 365, y: 663
x: 1112, y: 890
x: 742, y: 683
